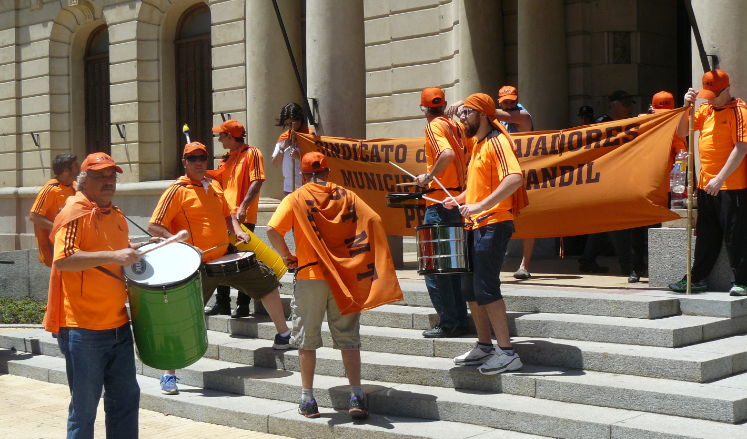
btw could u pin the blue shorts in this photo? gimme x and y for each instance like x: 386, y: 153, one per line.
x: 487, y: 251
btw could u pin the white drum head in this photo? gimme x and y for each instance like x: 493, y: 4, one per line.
x: 231, y: 257
x: 170, y: 264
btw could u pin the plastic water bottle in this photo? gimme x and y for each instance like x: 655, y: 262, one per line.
x: 678, y: 180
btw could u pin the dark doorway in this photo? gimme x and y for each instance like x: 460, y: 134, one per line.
x: 684, y: 54
x: 98, y: 116
x: 194, y: 84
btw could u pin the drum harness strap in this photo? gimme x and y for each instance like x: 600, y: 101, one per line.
x: 416, y: 195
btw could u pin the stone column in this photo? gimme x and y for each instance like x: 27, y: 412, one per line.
x: 543, y: 64
x: 270, y: 79
x: 481, y: 59
x: 722, y: 30
x: 336, y: 65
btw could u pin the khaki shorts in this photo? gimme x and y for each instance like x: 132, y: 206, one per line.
x: 257, y: 282
x: 311, y: 299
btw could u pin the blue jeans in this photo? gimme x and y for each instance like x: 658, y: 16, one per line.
x: 446, y: 289
x: 488, y: 247
x: 95, y: 360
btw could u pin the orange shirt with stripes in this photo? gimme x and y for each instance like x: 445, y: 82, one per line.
x: 283, y: 220
x: 93, y: 298
x: 198, y: 209
x: 242, y: 166
x: 492, y: 161
x: 720, y: 130
x: 442, y: 134
x: 48, y: 203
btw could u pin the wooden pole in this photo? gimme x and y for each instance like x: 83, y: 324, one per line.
x: 690, y: 176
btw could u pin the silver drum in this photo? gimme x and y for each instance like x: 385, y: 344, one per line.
x: 443, y: 249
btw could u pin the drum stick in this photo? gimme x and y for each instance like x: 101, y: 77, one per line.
x: 398, y: 167
x: 183, y: 235
x: 411, y: 183
x: 432, y: 199
x: 216, y: 247
x: 447, y: 192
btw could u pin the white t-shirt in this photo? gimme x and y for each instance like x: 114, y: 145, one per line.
x: 288, y: 167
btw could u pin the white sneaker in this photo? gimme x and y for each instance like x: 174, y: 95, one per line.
x: 474, y: 356
x: 500, y: 362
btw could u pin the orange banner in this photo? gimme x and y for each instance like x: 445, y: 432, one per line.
x: 595, y: 178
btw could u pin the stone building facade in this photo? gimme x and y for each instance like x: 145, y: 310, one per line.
x: 363, y: 61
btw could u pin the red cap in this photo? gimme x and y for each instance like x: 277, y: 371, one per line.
x: 508, y: 93
x: 314, y: 162
x: 662, y: 101
x: 713, y: 83
x: 432, y: 97
x: 97, y: 161
x: 232, y: 127
x: 190, y: 148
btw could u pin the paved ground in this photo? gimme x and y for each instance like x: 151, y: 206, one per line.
x: 38, y: 410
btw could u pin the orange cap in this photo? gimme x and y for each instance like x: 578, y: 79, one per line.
x: 314, y: 162
x: 508, y: 93
x: 663, y: 101
x: 232, y: 127
x: 713, y: 83
x: 432, y: 97
x: 189, y: 148
x: 98, y: 160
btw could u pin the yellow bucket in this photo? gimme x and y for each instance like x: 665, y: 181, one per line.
x: 262, y: 251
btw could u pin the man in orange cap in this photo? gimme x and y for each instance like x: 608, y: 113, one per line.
x: 240, y: 176
x: 50, y: 200
x: 722, y: 183
x: 495, y: 193
x: 192, y: 203
x: 343, y: 266
x: 86, y: 303
x: 446, y: 161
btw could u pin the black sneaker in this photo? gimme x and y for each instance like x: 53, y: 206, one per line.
x: 439, y: 331
x: 240, y: 311
x: 218, y: 309
x: 282, y: 343
x: 681, y: 286
x: 634, y: 277
x: 309, y: 409
x: 358, y: 409
x: 592, y: 267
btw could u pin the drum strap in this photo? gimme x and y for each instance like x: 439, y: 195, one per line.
x: 107, y: 272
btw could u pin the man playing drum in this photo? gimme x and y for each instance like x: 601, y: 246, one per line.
x: 191, y: 203
x: 86, y: 304
x: 343, y: 267
x: 50, y: 200
x: 494, y: 195
x: 240, y: 176
x: 446, y: 160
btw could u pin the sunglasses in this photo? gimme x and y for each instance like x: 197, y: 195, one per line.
x: 466, y: 112
x: 194, y: 158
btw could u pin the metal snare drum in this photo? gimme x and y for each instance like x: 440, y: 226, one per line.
x: 230, y: 264
x: 443, y: 249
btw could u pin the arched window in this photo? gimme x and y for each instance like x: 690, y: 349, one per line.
x: 98, y: 118
x: 194, y: 84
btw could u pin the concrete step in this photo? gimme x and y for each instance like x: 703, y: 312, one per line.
x: 711, y: 304
x: 429, y: 408
x: 641, y: 305
x: 672, y: 331
x: 264, y: 415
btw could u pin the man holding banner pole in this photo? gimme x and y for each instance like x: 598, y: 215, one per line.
x: 495, y: 193
x: 446, y: 162
x: 722, y: 183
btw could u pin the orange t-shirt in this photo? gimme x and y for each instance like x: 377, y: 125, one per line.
x: 283, y: 220
x: 720, y: 130
x: 49, y: 201
x: 492, y: 160
x: 199, y: 209
x: 437, y: 140
x: 243, y: 166
x: 93, y: 298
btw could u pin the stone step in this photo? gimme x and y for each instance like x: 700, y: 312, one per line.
x: 713, y: 304
x: 264, y: 415
x: 724, y: 400
x: 431, y: 409
x: 641, y: 305
x: 672, y: 331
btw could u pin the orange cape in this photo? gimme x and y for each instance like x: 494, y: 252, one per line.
x: 484, y: 104
x: 76, y: 207
x: 354, y: 253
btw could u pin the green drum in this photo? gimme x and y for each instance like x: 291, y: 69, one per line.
x: 166, y: 307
